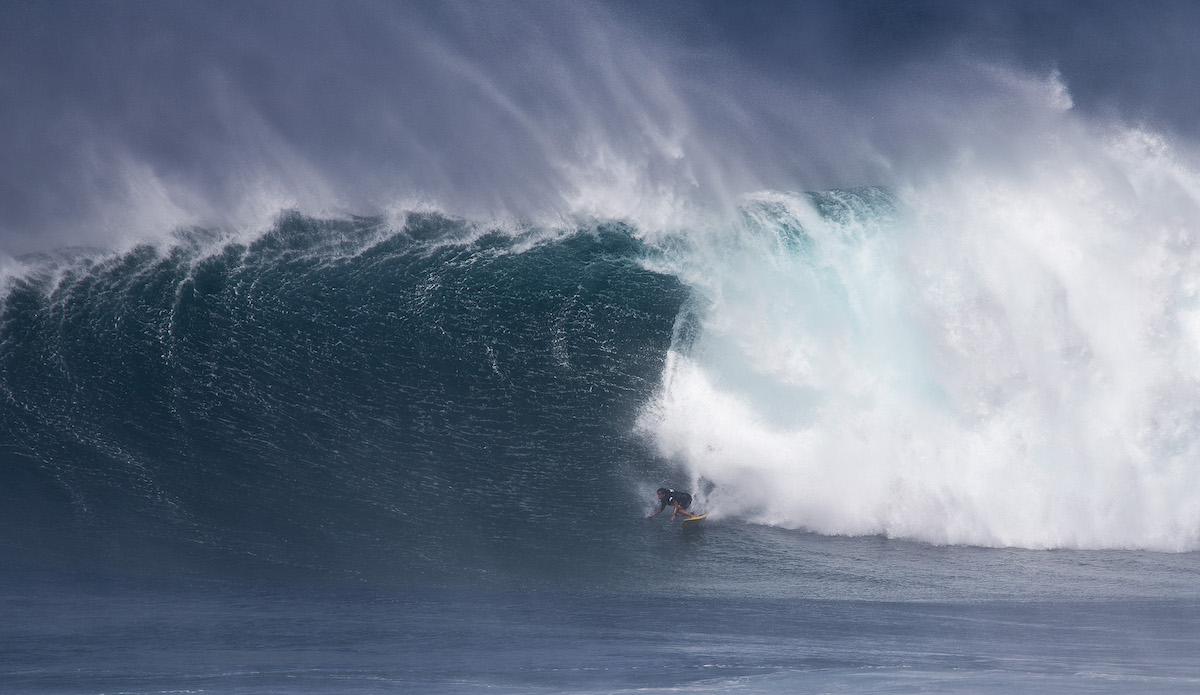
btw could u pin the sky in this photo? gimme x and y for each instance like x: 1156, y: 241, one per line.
x: 124, y: 119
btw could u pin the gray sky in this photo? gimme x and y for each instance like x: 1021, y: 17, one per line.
x: 123, y: 118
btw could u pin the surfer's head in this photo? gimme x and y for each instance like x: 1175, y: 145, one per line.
x: 662, y: 491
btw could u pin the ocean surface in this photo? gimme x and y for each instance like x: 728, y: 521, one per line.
x: 415, y: 453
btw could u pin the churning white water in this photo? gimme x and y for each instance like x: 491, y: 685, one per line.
x: 1003, y: 353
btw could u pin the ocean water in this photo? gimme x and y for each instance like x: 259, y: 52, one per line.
x: 817, y: 615
x: 945, y: 445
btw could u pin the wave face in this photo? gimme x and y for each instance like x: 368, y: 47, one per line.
x: 436, y: 394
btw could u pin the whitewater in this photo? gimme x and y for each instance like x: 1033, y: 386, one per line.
x: 988, y: 361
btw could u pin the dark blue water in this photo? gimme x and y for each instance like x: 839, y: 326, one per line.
x: 362, y: 456
x: 840, y: 615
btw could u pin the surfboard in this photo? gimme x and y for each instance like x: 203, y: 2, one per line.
x: 695, y: 519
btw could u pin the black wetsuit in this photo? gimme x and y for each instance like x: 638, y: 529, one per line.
x: 683, y: 498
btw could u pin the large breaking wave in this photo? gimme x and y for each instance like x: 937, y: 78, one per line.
x: 984, y: 358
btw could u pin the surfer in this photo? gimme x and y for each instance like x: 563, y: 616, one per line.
x: 681, y: 500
